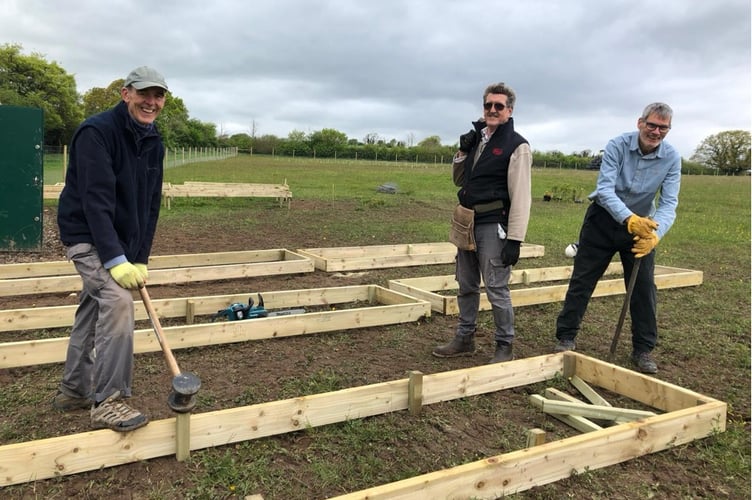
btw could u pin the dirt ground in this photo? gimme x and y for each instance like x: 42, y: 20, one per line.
x: 363, y: 356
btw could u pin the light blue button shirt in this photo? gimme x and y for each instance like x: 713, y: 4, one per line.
x: 629, y: 181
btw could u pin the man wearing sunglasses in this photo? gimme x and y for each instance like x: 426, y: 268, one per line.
x: 492, y: 169
x: 623, y: 218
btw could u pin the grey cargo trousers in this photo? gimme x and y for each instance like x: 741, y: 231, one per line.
x: 485, y: 262
x: 99, y: 360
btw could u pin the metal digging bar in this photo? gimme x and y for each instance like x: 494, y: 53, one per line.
x: 624, y: 307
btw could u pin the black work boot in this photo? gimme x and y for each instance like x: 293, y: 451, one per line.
x: 459, y: 346
x: 564, y: 345
x: 503, y: 353
x: 644, y: 362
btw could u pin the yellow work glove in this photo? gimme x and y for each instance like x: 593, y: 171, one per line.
x: 143, y: 270
x: 641, y: 226
x: 127, y: 275
x: 644, y: 246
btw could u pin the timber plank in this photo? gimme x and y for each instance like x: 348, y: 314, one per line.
x: 488, y: 378
x: 429, y: 288
x: 579, y: 423
x: 52, y: 191
x: 383, y: 256
x: 293, y: 264
x: 582, y: 424
x: 64, y: 267
x: 587, y: 391
x: 598, y: 412
x: 76, y: 453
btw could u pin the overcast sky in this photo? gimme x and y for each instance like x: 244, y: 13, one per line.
x: 409, y: 69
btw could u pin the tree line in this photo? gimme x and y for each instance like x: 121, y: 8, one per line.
x: 31, y: 80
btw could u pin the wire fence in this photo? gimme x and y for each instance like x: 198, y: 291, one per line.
x: 182, y: 156
x: 56, y: 159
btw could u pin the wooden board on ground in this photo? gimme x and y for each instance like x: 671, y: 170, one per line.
x: 64, y: 267
x: 437, y: 289
x: 195, y: 189
x: 372, y: 305
x: 685, y: 416
x: 60, y: 276
x: 52, y: 191
x: 383, y: 256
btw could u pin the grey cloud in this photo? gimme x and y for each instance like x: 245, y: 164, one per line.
x: 582, y: 70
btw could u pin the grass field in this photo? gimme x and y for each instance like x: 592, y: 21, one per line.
x: 705, y: 330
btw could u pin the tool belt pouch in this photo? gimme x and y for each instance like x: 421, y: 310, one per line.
x: 462, y: 232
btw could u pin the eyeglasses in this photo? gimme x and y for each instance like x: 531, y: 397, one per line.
x: 498, y: 106
x: 653, y: 126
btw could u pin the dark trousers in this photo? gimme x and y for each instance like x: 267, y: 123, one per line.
x: 600, y: 238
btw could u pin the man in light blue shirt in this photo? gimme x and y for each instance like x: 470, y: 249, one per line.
x: 623, y: 218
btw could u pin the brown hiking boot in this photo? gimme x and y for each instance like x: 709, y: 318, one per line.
x: 503, y: 353
x: 113, y: 413
x: 63, y: 402
x: 459, y: 346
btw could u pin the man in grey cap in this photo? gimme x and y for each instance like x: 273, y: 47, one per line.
x: 107, y: 216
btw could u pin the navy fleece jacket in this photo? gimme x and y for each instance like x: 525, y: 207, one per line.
x: 113, y: 187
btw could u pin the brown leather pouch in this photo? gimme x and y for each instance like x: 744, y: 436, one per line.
x: 462, y: 232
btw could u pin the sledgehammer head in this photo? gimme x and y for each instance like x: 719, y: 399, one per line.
x: 182, y: 399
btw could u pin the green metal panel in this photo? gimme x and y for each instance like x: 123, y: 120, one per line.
x: 21, y: 187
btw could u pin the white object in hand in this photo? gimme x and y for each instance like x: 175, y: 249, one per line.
x: 571, y: 249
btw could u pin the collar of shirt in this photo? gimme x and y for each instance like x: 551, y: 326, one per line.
x: 635, y: 146
x: 485, y: 135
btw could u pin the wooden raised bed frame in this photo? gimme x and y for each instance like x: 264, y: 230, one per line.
x: 61, y: 276
x: 428, y: 288
x: 196, y: 189
x: 383, y: 256
x: 688, y: 416
x: 386, y: 307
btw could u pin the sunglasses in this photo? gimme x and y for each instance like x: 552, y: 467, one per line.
x: 653, y: 126
x: 498, y: 106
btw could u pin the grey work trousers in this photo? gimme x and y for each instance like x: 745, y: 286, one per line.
x: 485, y: 262
x: 103, y: 324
